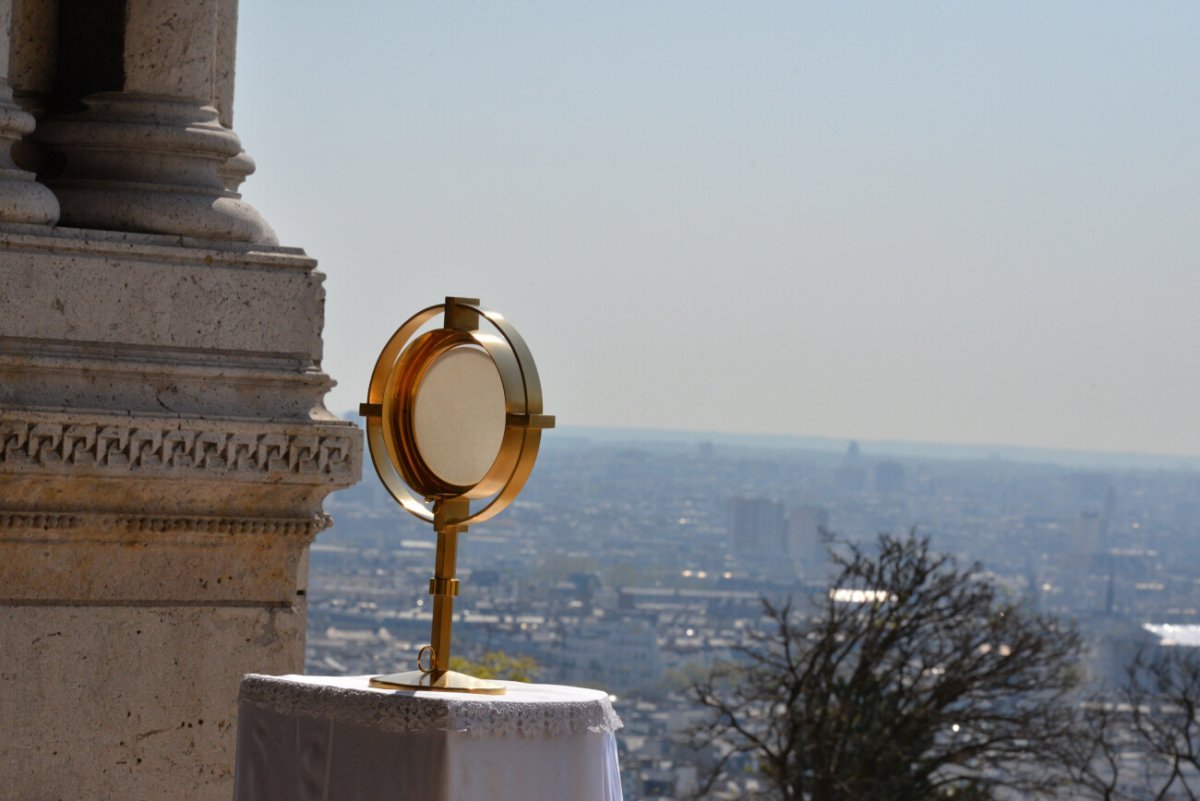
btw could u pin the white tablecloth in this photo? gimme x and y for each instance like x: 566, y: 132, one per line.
x: 310, y: 738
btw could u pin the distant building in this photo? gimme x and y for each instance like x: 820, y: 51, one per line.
x: 1085, y: 539
x: 758, y: 526
x: 587, y: 585
x: 805, y: 544
x: 1090, y: 489
x: 852, y: 475
x: 617, y: 654
x: 1113, y: 642
x: 889, y: 478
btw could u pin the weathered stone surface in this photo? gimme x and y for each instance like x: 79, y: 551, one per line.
x: 163, y: 458
x: 33, y: 45
x: 32, y: 63
x: 171, y: 48
x: 28, y: 374
x: 141, y: 162
x: 88, y: 558
x: 164, y: 447
x: 130, y: 702
x: 238, y: 168
x: 226, y: 59
x: 161, y: 429
x: 152, y: 149
x: 164, y: 454
x: 89, y: 319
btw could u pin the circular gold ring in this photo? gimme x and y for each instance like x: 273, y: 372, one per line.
x: 398, y: 372
x: 432, y: 659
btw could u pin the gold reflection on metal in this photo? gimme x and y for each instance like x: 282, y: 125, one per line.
x: 416, y: 484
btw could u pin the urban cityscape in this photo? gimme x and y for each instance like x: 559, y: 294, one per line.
x: 632, y: 563
x: 862, y: 236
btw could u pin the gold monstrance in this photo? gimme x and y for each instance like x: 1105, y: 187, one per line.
x: 454, y: 416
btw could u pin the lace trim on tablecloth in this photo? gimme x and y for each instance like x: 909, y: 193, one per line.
x: 408, y: 713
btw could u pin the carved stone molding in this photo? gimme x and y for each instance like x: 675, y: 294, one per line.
x: 145, y: 381
x: 146, y: 301
x: 187, y: 449
x: 155, y: 248
x: 46, y: 521
x: 304, y: 528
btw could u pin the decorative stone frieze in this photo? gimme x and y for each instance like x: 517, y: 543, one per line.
x: 145, y: 448
x: 164, y: 455
x: 49, y: 521
x: 40, y: 521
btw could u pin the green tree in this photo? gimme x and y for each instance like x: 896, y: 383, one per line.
x: 498, y: 665
x: 911, y: 679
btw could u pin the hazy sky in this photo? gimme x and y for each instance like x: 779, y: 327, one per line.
x: 953, y: 222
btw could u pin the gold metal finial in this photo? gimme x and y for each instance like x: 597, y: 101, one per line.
x: 454, y: 417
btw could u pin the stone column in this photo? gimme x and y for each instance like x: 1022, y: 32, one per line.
x: 241, y: 166
x: 150, y: 156
x: 164, y: 447
x: 32, y: 70
x: 22, y: 198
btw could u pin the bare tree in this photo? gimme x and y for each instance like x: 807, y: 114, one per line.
x: 1163, y: 694
x: 911, y: 679
x: 1144, y: 738
x: 1098, y: 761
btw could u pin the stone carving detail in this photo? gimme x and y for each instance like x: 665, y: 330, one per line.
x: 156, y: 449
x: 42, y: 520
x: 47, y: 521
x: 240, y: 525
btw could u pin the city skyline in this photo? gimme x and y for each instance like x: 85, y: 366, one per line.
x: 937, y: 224
x: 637, y: 567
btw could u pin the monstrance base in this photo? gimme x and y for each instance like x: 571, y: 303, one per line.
x: 450, y: 681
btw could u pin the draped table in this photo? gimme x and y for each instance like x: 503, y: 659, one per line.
x: 312, y: 738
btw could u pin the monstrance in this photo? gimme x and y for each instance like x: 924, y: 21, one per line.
x: 454, y: 418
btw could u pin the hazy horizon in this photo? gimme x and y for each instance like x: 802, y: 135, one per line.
x: 870, y: 449
x: 926, y: 223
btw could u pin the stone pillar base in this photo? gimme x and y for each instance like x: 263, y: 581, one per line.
x: 22, y: 198
x: 139, y: 162
x: 117, y: 701
x: 164, y: 454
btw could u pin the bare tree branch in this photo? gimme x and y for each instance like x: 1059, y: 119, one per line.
x: 920, y: 680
